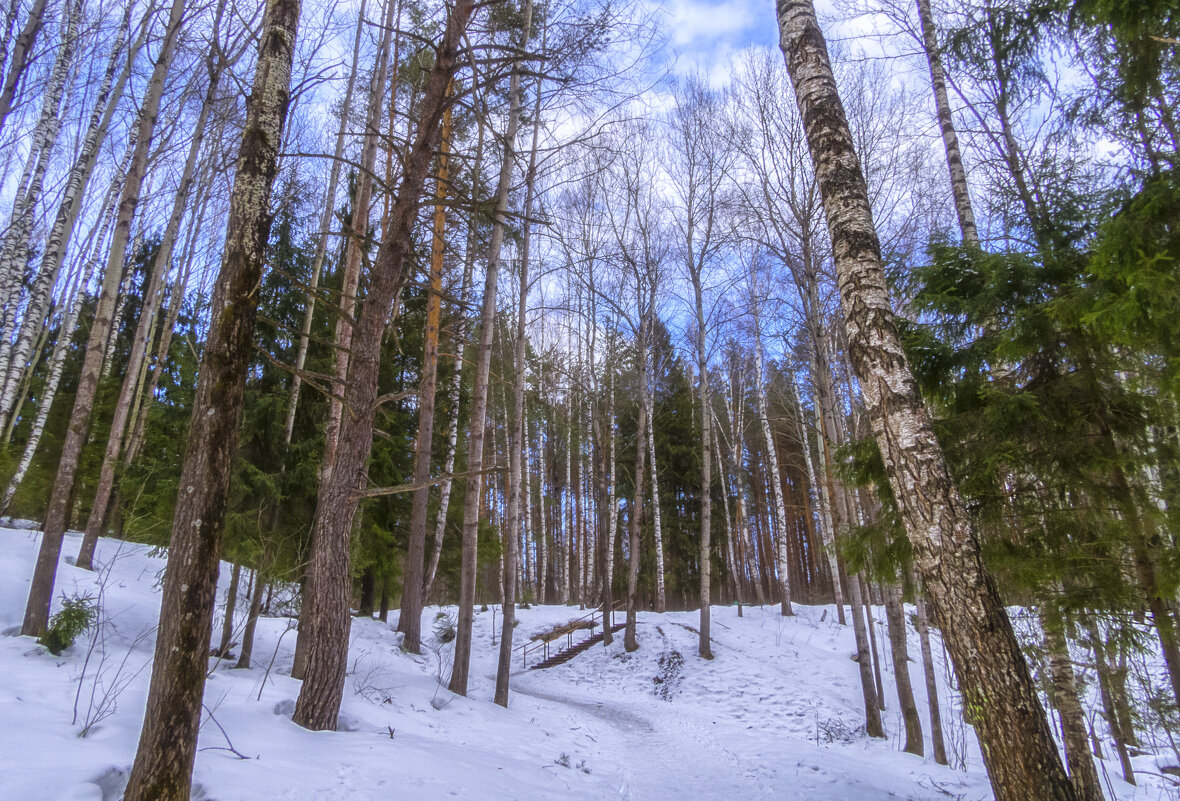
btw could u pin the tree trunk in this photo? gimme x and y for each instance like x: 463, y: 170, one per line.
x: 247, y: 651
x: 167, y: 746
x: 227, y: 624
x: 867, y: 595
x: 895, y: 616
x: 410, y: 619
x: 147, y: 318
x: 321, y: 248
x: 1018, y: 747
x: 661, y: 598
x: 1114, y: 721
x: 629, y: 640
x: 780, y: 511
x: 19, y: 60
x: 41, y: 589
x: 931, y: 678
x: 950, y: 140
x: 326, y: 617
x: 457, y: 379
x: 1064, y: 696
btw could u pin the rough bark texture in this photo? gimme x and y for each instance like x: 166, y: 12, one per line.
x: 1064, y: 696
x: 479, y: 402
x: 329, y: 577
x: 410, y: 619
x: 61, y: 496
x: 895, y: 616
x: 168, y: 743
x: 936, y: 738
x: 1018, y: 748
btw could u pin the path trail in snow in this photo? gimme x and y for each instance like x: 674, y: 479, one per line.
x: 775, y: 715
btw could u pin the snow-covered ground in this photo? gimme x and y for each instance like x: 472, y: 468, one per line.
x: 775, y: 715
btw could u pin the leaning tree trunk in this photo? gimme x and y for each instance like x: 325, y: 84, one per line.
x: 227, y: 623
x: 14, y: 247
x: 147, y: 319
x: 479, y: 401
x: 41, y: 589
x: 1114, y: 721
x: 1018, y: 747
x: 247, y: 650
x: 168, y: 744
x: 895, y: 616
x: 56, y: 244
x: 410, y: 618
x: 19, y: 59
x: 329, y: 576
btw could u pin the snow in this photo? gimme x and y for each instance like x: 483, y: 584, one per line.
x: 774, y: 715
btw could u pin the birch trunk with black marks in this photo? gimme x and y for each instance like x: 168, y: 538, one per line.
x: 1018, y: 747
x: 14, y: 248
x: 1064, y: 696
x: 19, y: 61
x: 110, y: 91
x: 326, y: 618
x: 946, y: 124
x: 657, y: 527
x: 168, y: 743
x: 633, y: 526
x: 61, y: 496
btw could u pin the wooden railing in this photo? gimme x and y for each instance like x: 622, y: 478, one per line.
x: 541, y: 643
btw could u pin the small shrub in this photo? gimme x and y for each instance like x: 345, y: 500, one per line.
x: 76, y: 615
x: 444, y: 628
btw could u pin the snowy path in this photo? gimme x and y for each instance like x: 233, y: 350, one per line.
x: 774, y: 716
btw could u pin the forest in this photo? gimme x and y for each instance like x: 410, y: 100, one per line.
x: 396, y: 305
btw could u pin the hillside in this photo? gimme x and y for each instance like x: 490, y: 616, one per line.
x: 775, y: 715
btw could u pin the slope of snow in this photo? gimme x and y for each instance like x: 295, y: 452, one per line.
x: 775, y: 715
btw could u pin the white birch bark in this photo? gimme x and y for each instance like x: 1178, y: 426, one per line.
x: 780, y: 510
x: 661, y: 603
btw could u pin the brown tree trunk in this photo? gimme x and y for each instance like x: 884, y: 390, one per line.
x: 1018, y: 748
x: 231, y: 599
x: 895, y: 616
x: 247, y: 651
x: 61, y: 496
x: 629, y: 640
x: 479, y: 402
x: 923, y: 628
x: 329, y: 576
x: 1110, y: 710
x: 168, y: 743
x: 410, y: 618
x: 867, y: 595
